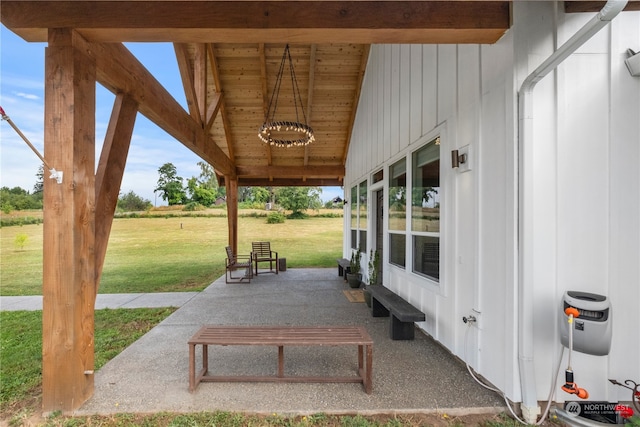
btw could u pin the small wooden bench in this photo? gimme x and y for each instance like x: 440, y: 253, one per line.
x: 344, y: 267
x: 280, y: 336
x: 385, y: 302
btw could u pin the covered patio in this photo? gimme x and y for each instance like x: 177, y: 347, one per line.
x: 416, y: 376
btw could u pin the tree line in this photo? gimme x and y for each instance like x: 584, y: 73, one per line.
x: 200, y: 191
x: 204, y: 190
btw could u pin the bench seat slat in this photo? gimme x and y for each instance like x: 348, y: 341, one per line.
x: 400, y: 308
x: 255, y: 335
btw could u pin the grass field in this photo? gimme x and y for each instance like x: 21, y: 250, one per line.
x: 171, y: 254
x: 21, y: 343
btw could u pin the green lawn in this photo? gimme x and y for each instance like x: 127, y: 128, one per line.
x: 172, y: 254
x: 21, y: 347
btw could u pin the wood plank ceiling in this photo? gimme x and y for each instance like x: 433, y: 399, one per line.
x: 229, y: 52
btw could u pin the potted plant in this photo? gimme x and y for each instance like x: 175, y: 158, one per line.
x: 354, y: 276
x: 374, y: 263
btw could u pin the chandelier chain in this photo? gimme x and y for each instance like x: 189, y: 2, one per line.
x: 272, y: 126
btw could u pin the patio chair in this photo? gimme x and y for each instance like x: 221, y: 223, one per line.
x: 261, y: 252
x: 237, y: 262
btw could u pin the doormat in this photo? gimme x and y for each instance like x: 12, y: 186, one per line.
x: 354, y: 296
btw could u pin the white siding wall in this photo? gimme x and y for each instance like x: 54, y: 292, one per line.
x: 586, y: 187
x: 587, y: 199
x: 411, y: 94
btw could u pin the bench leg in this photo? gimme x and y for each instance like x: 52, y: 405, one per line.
x: 368, y: 382
x: 377, y: 309
x: 399, y: 330
x: 192, y: 367
x: 280, y: 361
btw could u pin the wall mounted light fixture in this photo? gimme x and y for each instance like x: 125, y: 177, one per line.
x: 633, y: 62
x: 461, y: 159
x: 457, y: 159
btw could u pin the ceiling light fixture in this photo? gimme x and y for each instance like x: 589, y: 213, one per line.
x: 286, y: 133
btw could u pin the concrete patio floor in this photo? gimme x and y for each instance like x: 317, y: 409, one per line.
x: 416, y: 376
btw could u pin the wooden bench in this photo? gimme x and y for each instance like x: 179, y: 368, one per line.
x: 385, y: 302
x: 280, y: 336
x: 344, y: 267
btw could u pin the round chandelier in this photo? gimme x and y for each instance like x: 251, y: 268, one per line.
x: 286, y: 133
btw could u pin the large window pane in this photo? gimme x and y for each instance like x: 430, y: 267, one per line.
x: 362, y: 209
x: 354, y: 208
x: 425, y: 193
x: 363, y: 240
x: 425, y: 210
x: 398, y: 195
x: 397, y: 249
x: 426, y: 256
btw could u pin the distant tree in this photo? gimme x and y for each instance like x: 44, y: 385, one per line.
x: 207, y: 175
x: 17, y: 198
x: 199, y: 193
x: 261, y: 194
x: 299, y: 199
x: 39, y: 185
x: 254, y: 194
x: 170, y: 185
x: 204, y: 188
x: 131, y: 202
x: 245, y: 194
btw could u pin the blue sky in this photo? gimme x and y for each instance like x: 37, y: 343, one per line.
x: 22, y: 97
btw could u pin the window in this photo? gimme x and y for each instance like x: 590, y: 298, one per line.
x: 425, y: 210
x: 359, y: 216
x: 362, y: 222
x: 377, y: 176
x: 354, y: 217
x: 397, y: 212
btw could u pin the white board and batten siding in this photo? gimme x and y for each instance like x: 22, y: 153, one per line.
x: 586, y: 188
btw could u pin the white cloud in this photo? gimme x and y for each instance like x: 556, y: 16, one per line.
x: 27, y: 95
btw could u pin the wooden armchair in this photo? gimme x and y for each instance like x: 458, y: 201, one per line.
x: 237, y: 262
x: 261, y: 252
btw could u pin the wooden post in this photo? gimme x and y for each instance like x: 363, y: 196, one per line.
x: 232, y: 211
x: 69, y: 282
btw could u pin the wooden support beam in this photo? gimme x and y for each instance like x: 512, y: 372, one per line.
x: 110, y: 171
x: 232, y: 211
x: 200, y: 79
x: 212, y: 111
x: 308, y: 21
x: 215, y: 72
x: 288, y: 182
x: 69, y: 281
x: 119, y: 71
x: 289, y: 171
x: 595, y: 6
x: 187, y: 75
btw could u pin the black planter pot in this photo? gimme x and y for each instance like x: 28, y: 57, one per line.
x: 354, y: 280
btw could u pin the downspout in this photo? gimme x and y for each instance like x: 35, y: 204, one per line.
x: 611, y: 9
